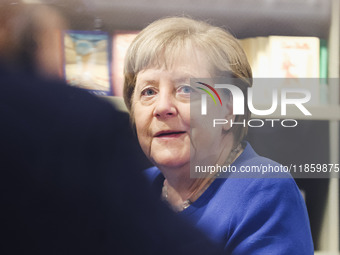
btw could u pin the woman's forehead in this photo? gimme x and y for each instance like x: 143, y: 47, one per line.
x: 191, y: 62
x: 177, y: 72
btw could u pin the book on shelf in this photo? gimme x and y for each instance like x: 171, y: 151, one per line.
x: 323, y: 72
x: 293, y: 60
x: 120, y: 44
x: 87, y: 61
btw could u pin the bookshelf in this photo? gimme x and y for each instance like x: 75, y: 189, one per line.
x: 251, y: 18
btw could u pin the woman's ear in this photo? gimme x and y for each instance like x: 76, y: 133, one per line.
x: 229, y: 115
x: 228, y: 126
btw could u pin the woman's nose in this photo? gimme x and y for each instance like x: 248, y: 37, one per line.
x: 165, y: 106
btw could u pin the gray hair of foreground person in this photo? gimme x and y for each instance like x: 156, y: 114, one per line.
x: 160, y: 43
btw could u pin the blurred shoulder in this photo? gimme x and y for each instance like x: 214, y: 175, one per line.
x: 152, y: 174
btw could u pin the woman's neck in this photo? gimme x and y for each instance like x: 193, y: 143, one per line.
x: 179, y: 189
x: 180, y: 198
x: 179, y: 180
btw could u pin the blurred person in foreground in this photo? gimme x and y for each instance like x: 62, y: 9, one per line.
x: 248, y: 215
x: 32, y: 41
x: 68, y: 184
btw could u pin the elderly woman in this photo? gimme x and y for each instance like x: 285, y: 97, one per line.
x: 248, y: 215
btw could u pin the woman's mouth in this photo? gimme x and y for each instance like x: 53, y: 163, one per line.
x: 169, y: 134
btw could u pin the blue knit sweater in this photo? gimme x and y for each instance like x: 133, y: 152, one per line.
x: 251, y: 215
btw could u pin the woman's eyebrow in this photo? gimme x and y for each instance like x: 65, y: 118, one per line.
x: 146, y: 81
x: 184, y: 79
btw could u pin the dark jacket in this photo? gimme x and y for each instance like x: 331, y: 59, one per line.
x: 69, y: 181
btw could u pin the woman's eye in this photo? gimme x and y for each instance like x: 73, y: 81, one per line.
x: 185, y: 90
x: 148, y: 92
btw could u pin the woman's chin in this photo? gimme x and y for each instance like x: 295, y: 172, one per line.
x: 172, y: 163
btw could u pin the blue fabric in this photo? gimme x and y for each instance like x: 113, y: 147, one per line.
x: 252, y: 215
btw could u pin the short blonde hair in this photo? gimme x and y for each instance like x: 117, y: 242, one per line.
x: 161, y: 42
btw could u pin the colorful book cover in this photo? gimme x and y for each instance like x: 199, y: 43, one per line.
x: 283, y: 56
x: 87, y: 61
x: 294, y: 57
x: 291, y: 59
x: 120, y: 43
x: 323, y: 72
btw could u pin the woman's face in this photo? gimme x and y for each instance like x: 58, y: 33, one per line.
x: 161, y: 104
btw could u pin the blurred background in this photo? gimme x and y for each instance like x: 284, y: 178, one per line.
x: 84, y: 43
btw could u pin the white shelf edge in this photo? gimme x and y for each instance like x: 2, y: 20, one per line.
x: 326, y: 253
x: 118, y: 102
